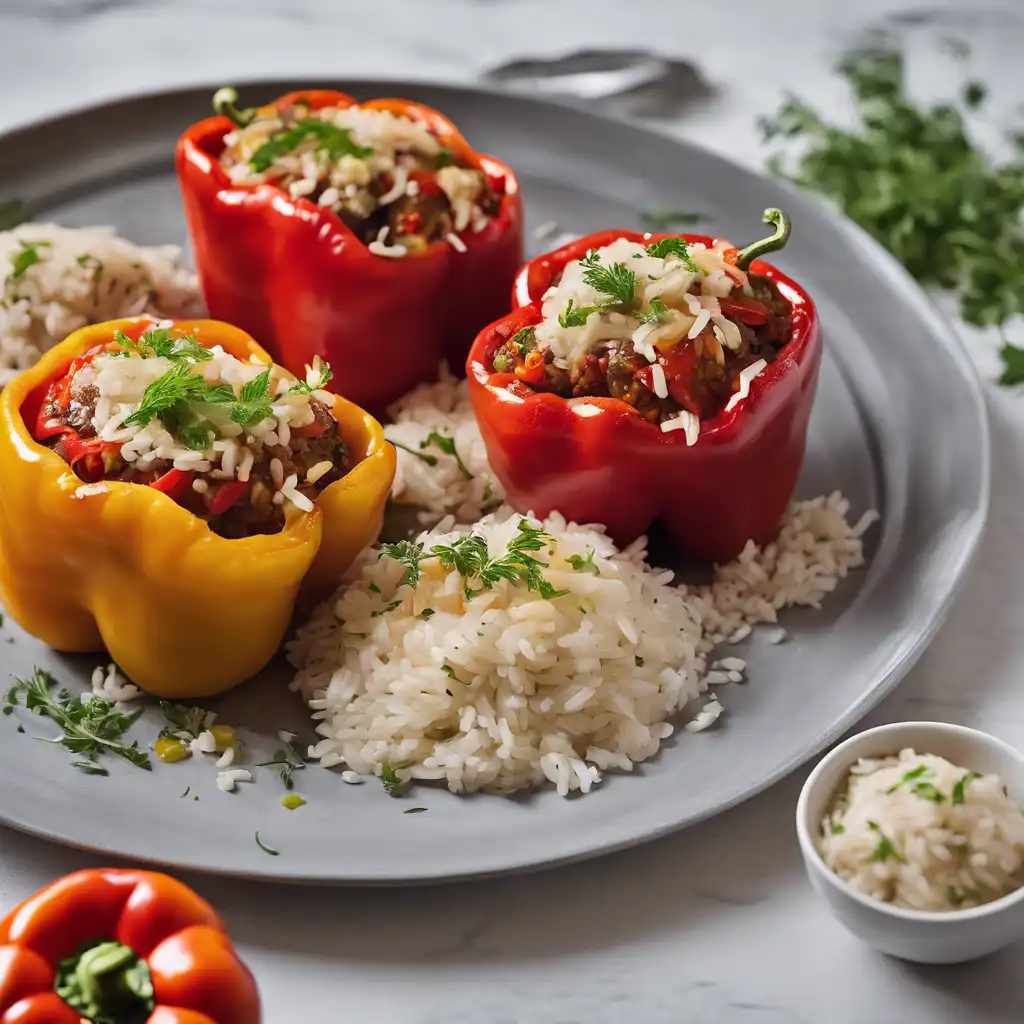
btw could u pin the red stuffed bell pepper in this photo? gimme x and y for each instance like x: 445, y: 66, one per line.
x: 652, y: 377
x: 121, y: 947
x: 370, y: 235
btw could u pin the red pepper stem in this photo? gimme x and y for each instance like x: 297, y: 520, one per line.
x: 783, y: 229
x: 224, y: 103
x: 107, y: 982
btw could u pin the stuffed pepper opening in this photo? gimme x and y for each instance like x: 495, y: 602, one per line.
x: 388, y: 177
x: 238, y: 444
x: 675, y: 329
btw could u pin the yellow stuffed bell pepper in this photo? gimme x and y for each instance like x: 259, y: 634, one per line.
x: 91, y: 562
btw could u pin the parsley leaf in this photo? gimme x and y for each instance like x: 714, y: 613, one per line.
x: 409, y: 554
x: 415, y: 810
x: 28, y: 257
x: 467, y: 555
x: 253, y: 403
x: 182, y: 718
x: 656, y: 312
x: 525, y: 340
x: 430, y: 460
x: 443, y: 158
x: 958, y: 789
x: 909, y: 776
x: 302, y: 387
x: 178, y: 387
x: 288, y: 760
x: 673, y: 247
x: 447, y: 445
x: 390, y: 780
x: 263, y: 846
x: 616, y: 281
x: 581, y: 564
x: 926, y: 791
x: 333, y: 141
x: 885, y: 847
x: 90, y: 727
x: 575, y: 317
x: 1013, y: 361
x: 89, y: 262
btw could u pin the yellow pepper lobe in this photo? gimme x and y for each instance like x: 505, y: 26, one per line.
x: 224, y: 736
x: 120, y: 566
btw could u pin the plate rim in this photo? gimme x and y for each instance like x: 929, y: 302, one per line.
x: 902, y: 659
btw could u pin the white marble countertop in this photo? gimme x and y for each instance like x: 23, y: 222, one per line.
x: 714, y: 924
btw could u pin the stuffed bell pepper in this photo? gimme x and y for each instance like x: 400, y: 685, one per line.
x: 652, y: 377
x: 121, y: 947
x: 166, y: 492
x: 368, y: 234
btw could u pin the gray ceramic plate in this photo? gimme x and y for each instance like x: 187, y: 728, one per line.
x: 899, y: 426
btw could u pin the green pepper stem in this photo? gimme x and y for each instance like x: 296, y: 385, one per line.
x: 783, y: 229
x: 224, y: 103
x: 105, y: 982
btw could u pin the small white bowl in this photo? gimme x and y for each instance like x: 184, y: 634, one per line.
x: 928, y: 938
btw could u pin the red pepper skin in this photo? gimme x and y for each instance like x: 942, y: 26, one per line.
x: 174, y: 483
x: 297, y: 279
x: 197, y: 976
x: 596, y: 461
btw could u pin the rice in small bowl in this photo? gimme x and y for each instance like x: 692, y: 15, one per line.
x: 913, y: 835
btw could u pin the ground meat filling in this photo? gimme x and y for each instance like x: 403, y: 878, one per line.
x: 697, y: 372
x: 388, y: 178
x: 314, y: 457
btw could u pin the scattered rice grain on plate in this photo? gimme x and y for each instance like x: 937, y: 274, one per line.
x: 427, y: 475
x: 109, y: 685
x: 56, y: 279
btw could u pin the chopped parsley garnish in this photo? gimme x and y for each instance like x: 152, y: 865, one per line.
x: 288, y: 760
x: 160, y: 342
x: 448, y: 671
x: 172, y: 392
x: 665, y: 220
x: 575, y: 317
x: 503, y: 362
x: 469, y: 557
x: 408, y: 553
x: 615, y: 280
x: 415, y: 810
x: 909, y: 776
x: 182, y: 718
x: 302, y: 387
x: 91, y: 263
x: 28, y: 257
x: 1013, y: 365
x: 91, y: 727
x: 426, y: 613
x: 885, y: 849
x: 188, y: 789
x: 656, y: 312
x: 837, y: 828
x: 390, y: 780
x: 443, y: 158
x: 447, y: 445
x: 525, y: 340
x: 926, y: 791
x: 673, y: 247
x: 580, y: 563
x: 958, y: 788
x: 430, y: 460
x: 253, y: 403
x: 911, y: 177
x: 12, y: 213
x: 263, y: 846
x: 333, y: 141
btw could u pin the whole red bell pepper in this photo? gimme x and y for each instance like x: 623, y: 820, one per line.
x: 596, y: 461
x: 121, y: 947
x: 296, y: 278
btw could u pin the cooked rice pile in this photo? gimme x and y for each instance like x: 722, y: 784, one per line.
x: 429, y: 476
x: 920, y: 832
x: 56, y: 280
x: 510, y: 688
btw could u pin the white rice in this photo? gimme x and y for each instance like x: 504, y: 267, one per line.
x: 109, y: 685
x: 442, y: 488
x: 535, y: 688
x: 920, y: 832
x: 83, y: 276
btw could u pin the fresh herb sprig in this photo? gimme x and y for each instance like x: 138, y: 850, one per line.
x: 673, y: 247
x: 885, y: 848
x: 182, y: 720
x: 430, y: 460
x: 28, y: 257
x: 90, y: 727
x: 582, y: 563
x: 655, y: 314
x: 576, y: 316
x: 288, y: 760
x: 393, y: 783
x: 447, y: 445
x: 324, y: 376
x: 960, y: 786
x: 408, y: 553
x: 160, y: 342
x: 171, y: 394
x: 615, y: 280
x: 254, y: 400
x: 332, y: 141
x: 910, y: 176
